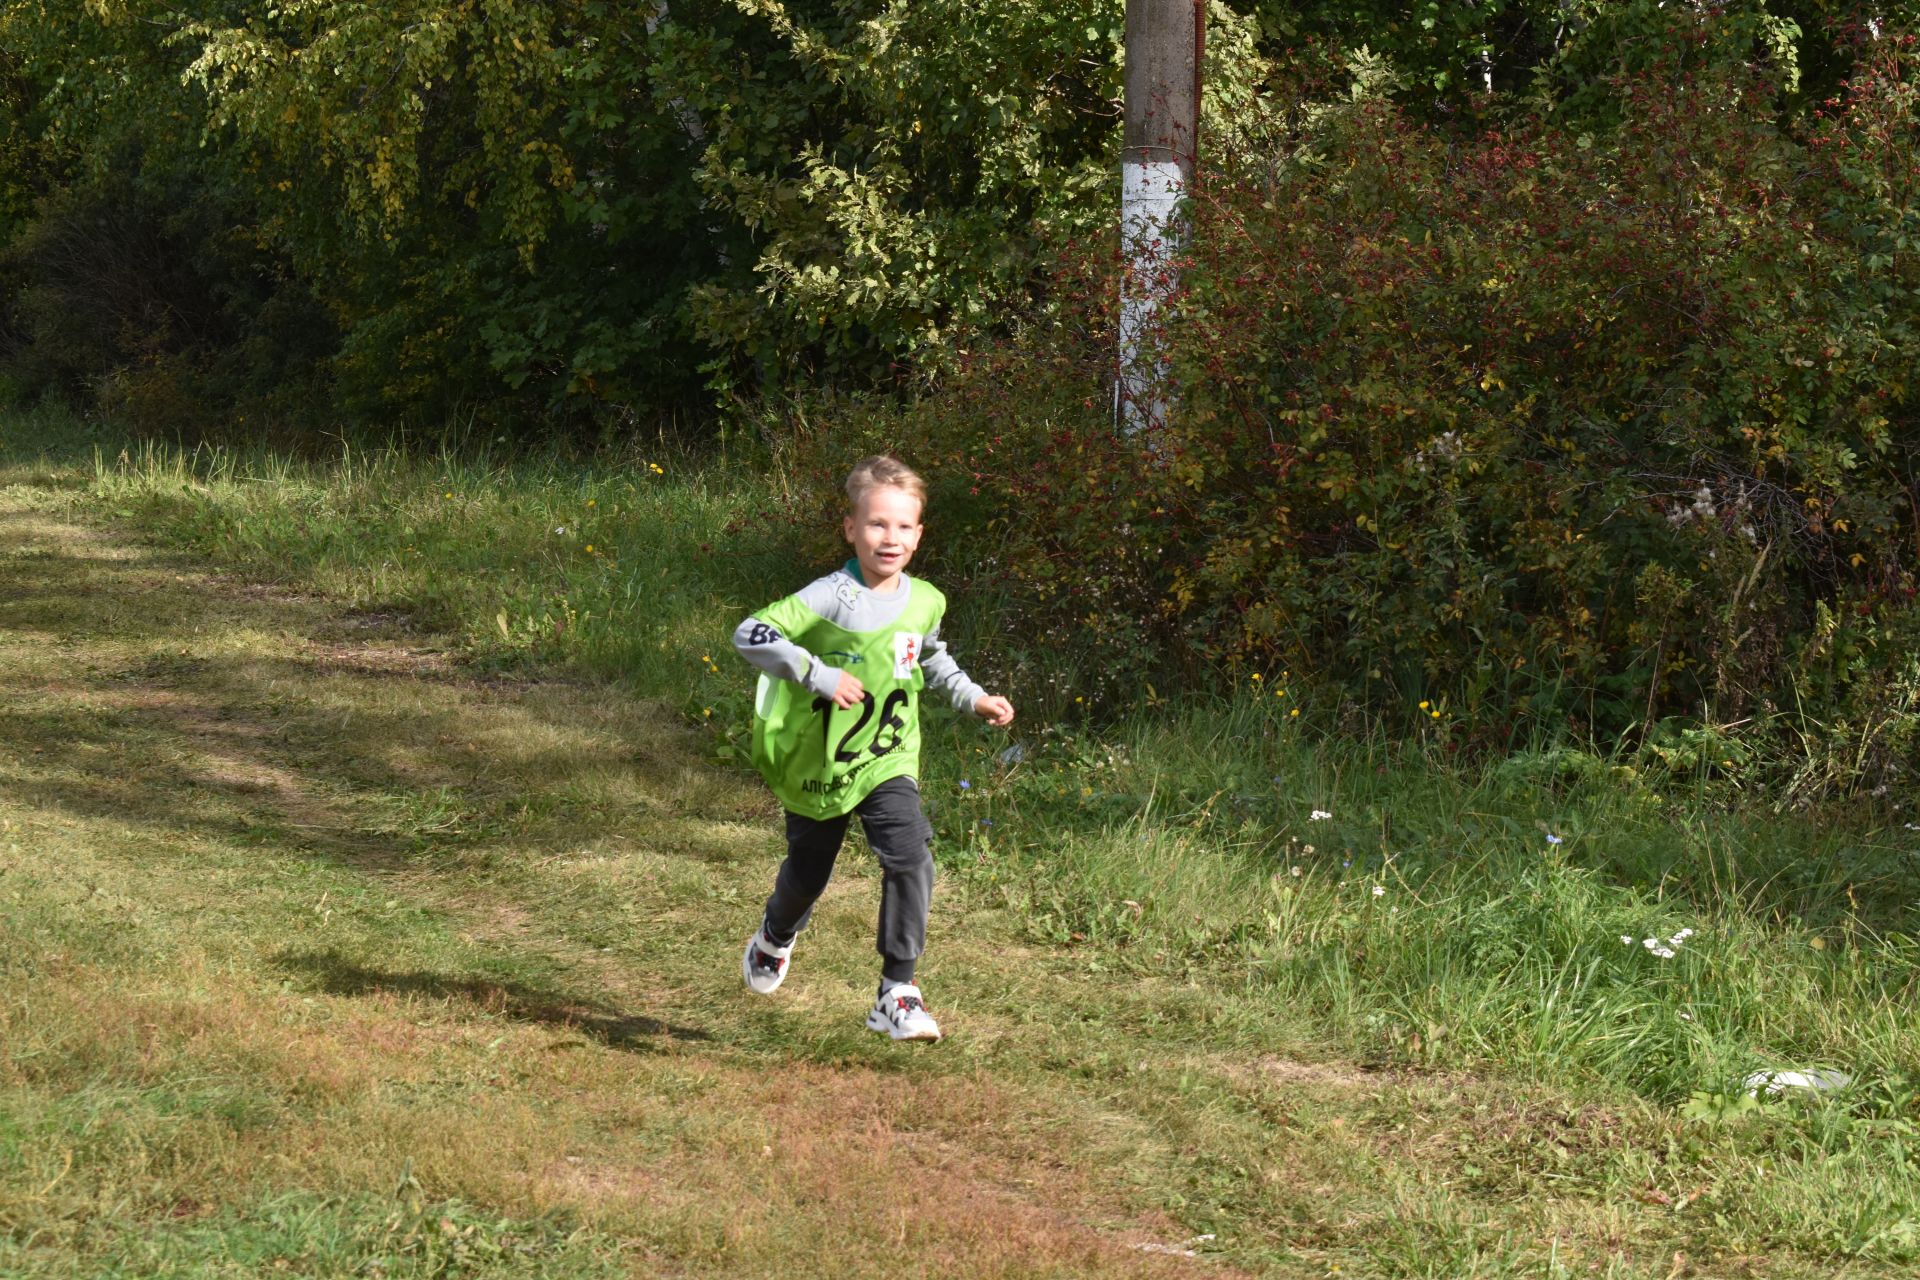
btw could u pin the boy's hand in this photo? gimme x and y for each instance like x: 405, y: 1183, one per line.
x: 995, y: 710
x: 849, y: 692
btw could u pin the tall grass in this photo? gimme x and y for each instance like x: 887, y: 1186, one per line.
x: 616, y: 570
x: 1447, y: 915
x: 1455, y: 917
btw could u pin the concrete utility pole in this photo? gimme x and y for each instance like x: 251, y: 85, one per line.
x: 1166, y: 41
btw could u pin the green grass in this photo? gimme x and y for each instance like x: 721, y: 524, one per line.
x: 347, y: 929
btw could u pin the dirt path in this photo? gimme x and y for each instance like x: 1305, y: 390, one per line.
x: 482, y: 931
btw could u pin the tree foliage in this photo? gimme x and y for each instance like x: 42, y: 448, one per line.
x: 580, y: 208
x: 534, y: 207
x: 1601, y: 426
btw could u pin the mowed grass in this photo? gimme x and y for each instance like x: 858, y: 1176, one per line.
x: 348, y: 930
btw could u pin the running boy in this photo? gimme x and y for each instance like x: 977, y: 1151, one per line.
x: 837, y: 732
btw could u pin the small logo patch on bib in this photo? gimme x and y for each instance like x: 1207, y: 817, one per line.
x: 906, y: 653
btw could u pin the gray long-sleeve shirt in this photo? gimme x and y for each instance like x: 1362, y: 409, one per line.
x: 839, y: 598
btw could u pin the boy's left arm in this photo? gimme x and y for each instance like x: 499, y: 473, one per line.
x: 944, y: 673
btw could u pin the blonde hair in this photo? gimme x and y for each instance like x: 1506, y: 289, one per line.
x: 883, y: 472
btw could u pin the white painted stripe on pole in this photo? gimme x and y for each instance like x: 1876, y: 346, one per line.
x: 1150, y: 194
x: 1151, y: 188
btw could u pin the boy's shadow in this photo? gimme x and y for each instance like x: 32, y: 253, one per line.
x: 334, y: 974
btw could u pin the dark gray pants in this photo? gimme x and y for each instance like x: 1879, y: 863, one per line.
x: 898, y: 833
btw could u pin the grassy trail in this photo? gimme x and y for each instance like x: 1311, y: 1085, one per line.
x: 324, y: 956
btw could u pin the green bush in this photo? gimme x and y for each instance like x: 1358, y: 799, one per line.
x: 1576, y: 426
x: 1548, y: 430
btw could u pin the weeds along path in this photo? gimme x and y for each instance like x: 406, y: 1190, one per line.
x: 320, y: 956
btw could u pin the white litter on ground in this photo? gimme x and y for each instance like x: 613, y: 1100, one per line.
x: 1174, y: 1250
x: 1775, y: 1083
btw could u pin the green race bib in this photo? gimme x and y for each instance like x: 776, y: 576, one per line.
x: 822, y: 760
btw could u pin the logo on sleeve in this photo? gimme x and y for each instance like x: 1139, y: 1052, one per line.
x: 906, y: 653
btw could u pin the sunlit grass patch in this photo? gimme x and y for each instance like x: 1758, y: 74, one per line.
x: 299, y: 1233
x: 303, y: 898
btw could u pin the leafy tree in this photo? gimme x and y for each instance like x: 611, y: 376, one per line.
x: 1535, y: 430
x: 544, y: 212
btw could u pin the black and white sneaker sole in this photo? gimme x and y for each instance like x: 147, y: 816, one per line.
x: 878, y: 1021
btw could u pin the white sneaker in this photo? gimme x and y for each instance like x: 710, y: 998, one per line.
x: 764, y: 965
x: 903, y: 1015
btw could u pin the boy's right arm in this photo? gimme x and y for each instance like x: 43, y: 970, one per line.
x: 765, y: 639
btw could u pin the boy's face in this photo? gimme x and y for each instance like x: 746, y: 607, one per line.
x: 884, y: 530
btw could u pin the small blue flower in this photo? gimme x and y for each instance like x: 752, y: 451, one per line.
x: 965, y: 785
x: 986, y: 822
x: 1346, y: 862
x: 1553, y: 839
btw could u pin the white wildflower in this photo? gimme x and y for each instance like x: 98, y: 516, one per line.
x: 1626, y: 939
x: 1318, y: 815
x: 1379, y: 891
